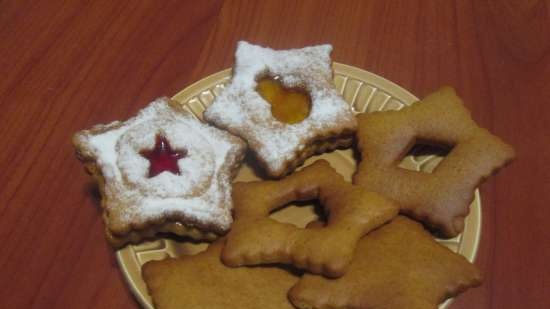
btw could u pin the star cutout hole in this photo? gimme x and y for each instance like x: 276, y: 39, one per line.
x: 162, y: 158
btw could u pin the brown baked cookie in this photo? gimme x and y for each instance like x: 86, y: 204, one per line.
x: 397, y: 266
x: 202, y: 281
x: 257, y: 239
x: 440, y: 199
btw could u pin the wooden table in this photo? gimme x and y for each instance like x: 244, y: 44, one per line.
x: 67, y: 66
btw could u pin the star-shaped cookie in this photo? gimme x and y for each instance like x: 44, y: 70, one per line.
x: 202, y: 281
x: 397, y: 266
x: 184, y: 189
x: 352, y: 212
x: 244, y: 111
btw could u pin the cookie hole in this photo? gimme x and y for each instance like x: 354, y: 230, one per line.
x: 299, y: 213
x: 288, y: 104
x: 182, y: 245
x: 162, y: 158
x: 425, y: 157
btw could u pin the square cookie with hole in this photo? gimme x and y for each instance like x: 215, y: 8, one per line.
x: 441, y: 199
x: 161, y: 171
x: 284, y: 104
x: 351, y: 212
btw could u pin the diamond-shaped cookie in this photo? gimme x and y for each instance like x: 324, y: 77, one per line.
x: 440, y: 199
x: 397, y: 266
x: 352, y: 212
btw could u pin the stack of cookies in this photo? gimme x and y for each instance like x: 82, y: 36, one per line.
x: 372, y: 248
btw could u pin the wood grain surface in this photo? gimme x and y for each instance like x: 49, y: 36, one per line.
x: 66, y: 65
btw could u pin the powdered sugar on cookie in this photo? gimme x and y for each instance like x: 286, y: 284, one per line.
x: 199, y: 195
x: 242, y: 110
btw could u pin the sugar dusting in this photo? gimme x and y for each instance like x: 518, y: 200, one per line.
x: 202, y: 191
x: 240, y: 109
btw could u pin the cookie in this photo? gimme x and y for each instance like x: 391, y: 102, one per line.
x: 202, y: 281
x: 397, y: 266
x: 441, y: 199
x: 352, y: 212
x: 284, y: 104
x: 161, y: 171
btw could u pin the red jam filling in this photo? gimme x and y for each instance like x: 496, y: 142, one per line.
x: 162, y: 158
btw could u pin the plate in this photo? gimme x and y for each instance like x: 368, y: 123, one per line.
x: 366, y: 92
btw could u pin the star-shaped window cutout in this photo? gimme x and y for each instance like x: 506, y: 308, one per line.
x: 163, y: 158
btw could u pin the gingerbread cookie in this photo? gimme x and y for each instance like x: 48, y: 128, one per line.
x: 202, y: 281
x: 162, y: 170
x: 257, y: 239
x: 397, y: 266
x: 284, y: 104
x: 440, y: 199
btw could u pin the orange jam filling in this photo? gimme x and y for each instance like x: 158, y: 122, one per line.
x: 288, y: 105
